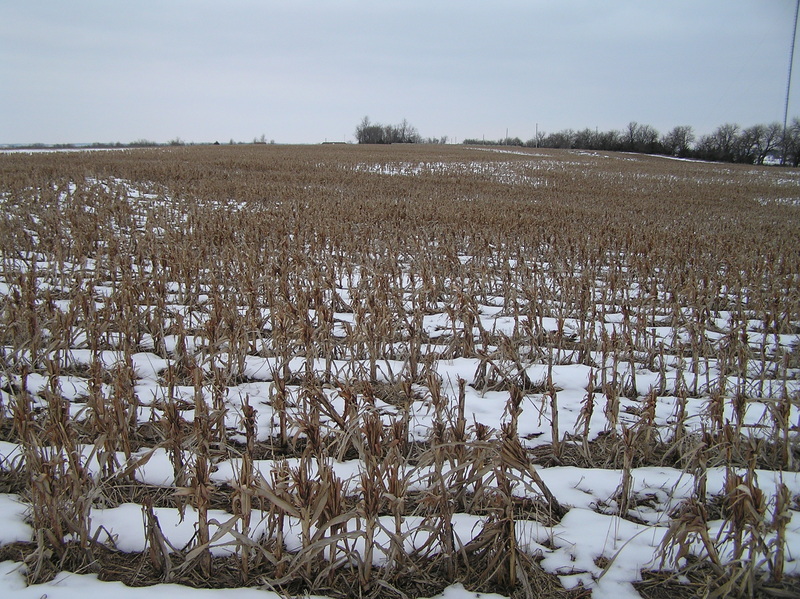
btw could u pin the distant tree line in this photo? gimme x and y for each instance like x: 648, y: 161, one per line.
x: 727, y: 143
x: 138, y: 143
x: 376, y: 133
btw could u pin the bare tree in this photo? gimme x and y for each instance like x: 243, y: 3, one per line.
x: 629, y: 136
x: 586, y: 139
x: 725, y: 139
x: 721, y: 144
x: 763, y: 140
x: 640, y: 138
x: 561, y: 139
x: 791, y: 143
x: 647, y: 139
x: 361, y: 130
x: 678, y: 142
x: 609, y: 140
x: 537, y: 141
x: 375, y: 133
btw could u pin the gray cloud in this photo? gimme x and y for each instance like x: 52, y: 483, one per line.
x: 304, y: 71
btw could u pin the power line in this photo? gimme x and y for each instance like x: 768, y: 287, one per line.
x: 789, y: 81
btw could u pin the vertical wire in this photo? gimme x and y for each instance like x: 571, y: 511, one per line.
x: 789, y: 81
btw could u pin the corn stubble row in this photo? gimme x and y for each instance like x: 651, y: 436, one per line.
x: 208, y: 257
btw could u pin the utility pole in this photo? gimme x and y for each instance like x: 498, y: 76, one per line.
x: 789, y: 82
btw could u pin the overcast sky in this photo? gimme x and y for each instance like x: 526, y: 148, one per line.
x: 305, y: 71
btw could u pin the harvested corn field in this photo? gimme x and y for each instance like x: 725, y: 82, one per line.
x: 386, y: 371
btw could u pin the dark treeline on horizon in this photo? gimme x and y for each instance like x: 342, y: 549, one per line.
x: 727, y: 143
x: 758, y: 144
x: 404, y: 133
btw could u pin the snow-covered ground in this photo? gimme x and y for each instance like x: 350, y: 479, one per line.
x: 78, y: 586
